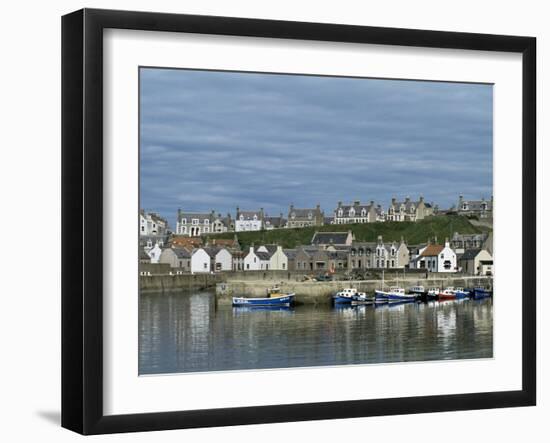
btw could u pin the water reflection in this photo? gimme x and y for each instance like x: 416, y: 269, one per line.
x: 188, y: 332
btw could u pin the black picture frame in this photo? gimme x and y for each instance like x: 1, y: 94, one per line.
x: 82, y: 190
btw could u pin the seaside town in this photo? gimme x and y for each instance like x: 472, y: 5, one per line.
x: 200, y: 243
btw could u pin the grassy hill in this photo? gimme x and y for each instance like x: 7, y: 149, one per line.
x: 412, y: 232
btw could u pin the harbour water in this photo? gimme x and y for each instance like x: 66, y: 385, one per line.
x: 188, y: 332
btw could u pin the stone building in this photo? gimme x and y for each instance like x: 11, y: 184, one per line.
x: 303, y: 217
x: 275, y: 222
x: 479, y: 208
x: 376, y: 255
x: 461, y: 242
x: 194, y: 224
x: 177, y: 258
x: 249, y: 220
x: 409, y: 210
x: 476, y: 261
x: 357, y: 213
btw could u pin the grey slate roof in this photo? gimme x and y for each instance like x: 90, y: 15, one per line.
x: 263, y: 255
x: 181, y: 253
x: 290, y: 253
x: 326, y: 238
x: 470, y: 254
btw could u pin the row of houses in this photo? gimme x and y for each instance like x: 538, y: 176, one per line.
x: 194, y: 224
x: 329, y: 252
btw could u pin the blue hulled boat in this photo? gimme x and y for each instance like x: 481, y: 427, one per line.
x: 482, y: 293
x: 394, y: 294
x: 274, y: 298
x: 348, y: 295
x: 461, y: 293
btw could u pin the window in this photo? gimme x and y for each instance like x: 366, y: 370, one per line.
x: 248, y: 266
x: 205, y: 265
x: 195, y: 221
x: 310, y: 216
x: 382, y: 263
x: 363, y: 212
x: 142, y: 228
x: 241, y: 218
x: 206, y: 229
x: 284, y: 265
x: 206, y: 221
x: 340, y: 213
x: 184, y: 221
x: 255, y: 217
x: 393, y: 263
x: 442, y: 255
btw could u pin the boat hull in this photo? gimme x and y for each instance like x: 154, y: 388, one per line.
x: 481, y: 293
x: 337, y: 299
x: 462, y: 294
x: 282, y: 300
x: 442, y: 297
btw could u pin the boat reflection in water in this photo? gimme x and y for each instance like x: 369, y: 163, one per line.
x: 183, y: 332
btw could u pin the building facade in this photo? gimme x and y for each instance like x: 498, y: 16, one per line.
x: 437, y: 258
x: 357, y: 213
x: 152, y: 224
x: 479, y: 208
x: 249, y: 220
x: 304, y: 217
x: 409, y: 210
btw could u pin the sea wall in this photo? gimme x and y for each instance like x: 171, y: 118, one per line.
x: 320, y: 292
x: 181, y: 282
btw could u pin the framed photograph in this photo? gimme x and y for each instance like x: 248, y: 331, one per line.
x: 269, y: 221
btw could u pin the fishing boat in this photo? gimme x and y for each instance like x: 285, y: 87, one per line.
x: 394, y: 294
x: 362, y: 299
x: 480, y: 293
x: 418, y: 290
x: 348, y: 295
x: 432, y: 294
x: 461, y: 293
x: 447, y: 294
x: 274, y: 298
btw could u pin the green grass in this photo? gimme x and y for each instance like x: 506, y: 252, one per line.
x: 412, y: 232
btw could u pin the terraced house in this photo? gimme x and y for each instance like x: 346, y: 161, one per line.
x: 303, y: 217
x: 479, y: 208
x: 194, y: 224
x: 370, y: 255
x: 358, y: 213
x: 409, y: 210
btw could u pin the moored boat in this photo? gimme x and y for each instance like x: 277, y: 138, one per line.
x: 394, y: 294
x: 461, y: 293
x: 274, y: 298
x: 447, y: 294
x: 348, y: 295
x: 432, y: 294
x: 482, y: 293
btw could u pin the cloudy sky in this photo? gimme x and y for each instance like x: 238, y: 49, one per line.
x: 217, y: 140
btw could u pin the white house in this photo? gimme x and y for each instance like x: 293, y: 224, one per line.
x: 200, y: 261
x: 249, y: 220
x: 256, y: 260
x: 278, y: 261
x: 150, y: 223
x: 437, y: 258
x: 222, y: 260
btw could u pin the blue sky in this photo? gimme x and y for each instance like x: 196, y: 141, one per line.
x: 217, y: 140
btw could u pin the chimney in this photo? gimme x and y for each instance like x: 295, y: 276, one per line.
x: 318, y: 207
x: 435, y: 240
x: 407, y: 199
x: 379, y: 239
x: 291, y: 208
x: 421, y: 198
x: 372, y: 202
x: 356, y: 202
x: 447, y: 242
x: 237, y: 212
x: 393, y: 201
x: 339, y: 204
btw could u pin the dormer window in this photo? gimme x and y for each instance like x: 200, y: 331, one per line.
x: 293, y: 215
x: 352, y: 212
x: 340, y: 213
x: 241, y: 218
x: 206, y: 221
x: 184, y: 221
x: 255, y: 217
x: 195, y: 221
x: 310, y: 216
x: 363, y: 212
x: 465, y: 207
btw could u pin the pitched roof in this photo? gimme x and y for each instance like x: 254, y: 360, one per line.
x: 303, y: 212
x: 326, y: 238
x: 263, y: 255
x: 432, y: 250
x: 180, y: 240
x: 470, y: 254
x: 181, y: 252
x: 191, y: 215
x: 290, y: 253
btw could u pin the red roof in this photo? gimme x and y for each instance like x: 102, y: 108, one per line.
x: 432, y: 250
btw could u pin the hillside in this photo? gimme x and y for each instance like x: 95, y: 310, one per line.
x: 412, y: 232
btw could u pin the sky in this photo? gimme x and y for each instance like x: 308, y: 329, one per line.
x: 218, y: 140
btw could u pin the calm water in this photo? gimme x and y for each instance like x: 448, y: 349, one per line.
x: 188, y: 332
